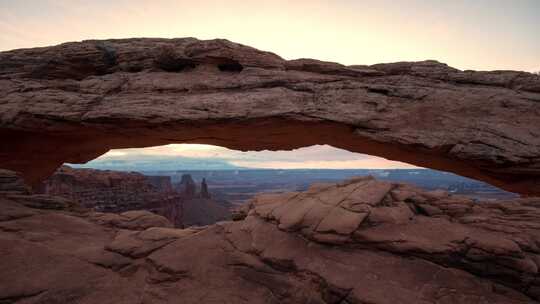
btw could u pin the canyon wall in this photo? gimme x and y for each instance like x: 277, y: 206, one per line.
x: 117, y: 192
x: 103, y: 190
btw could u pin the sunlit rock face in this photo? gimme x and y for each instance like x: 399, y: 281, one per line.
x: 75, y: 101
x: 361, y: 241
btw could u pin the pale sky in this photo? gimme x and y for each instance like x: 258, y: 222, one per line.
x: 466, y: 34
x: 194, y: 156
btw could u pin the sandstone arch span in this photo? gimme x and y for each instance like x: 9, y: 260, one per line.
x: 75, y: 101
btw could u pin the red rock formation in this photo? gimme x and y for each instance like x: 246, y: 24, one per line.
x: 187, y: 188
x: 203, y: 211
x: 204, y: 189
x: 106, y: 190
x: 199, y: 209
x: 114, y: 191
x: 11, y: 182
x: 161, y: 183
x: 361, y: 241
x: 75, y: 101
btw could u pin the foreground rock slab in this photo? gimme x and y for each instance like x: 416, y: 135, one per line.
x: 361, y: 241
x: 75, y: 101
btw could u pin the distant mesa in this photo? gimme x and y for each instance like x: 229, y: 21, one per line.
x: 115, y: 191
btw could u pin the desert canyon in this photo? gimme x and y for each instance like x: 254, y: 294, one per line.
x: 359, y: 241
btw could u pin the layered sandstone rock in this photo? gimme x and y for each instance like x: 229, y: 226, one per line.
x: 198, y: 208
x: 361, y: 241
x: 115, y: 191
x: 12, y: 182
x: 203, y: 211
x: 75, y: 101
x: 161, y: 183
x: 204, y: 189
x: 106, y: 190
x: 496, y: 240
x: 118, y: 192
x: 187, y: 187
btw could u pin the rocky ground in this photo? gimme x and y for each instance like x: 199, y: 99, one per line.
x: 361, y: 241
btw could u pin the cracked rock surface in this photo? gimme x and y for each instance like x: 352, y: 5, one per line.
x: 91, y: 96
x: 361, y: 241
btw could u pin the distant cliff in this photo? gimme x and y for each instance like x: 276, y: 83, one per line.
x: 114, y: 191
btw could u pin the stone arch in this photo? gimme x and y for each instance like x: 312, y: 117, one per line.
x: 75, y: 101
